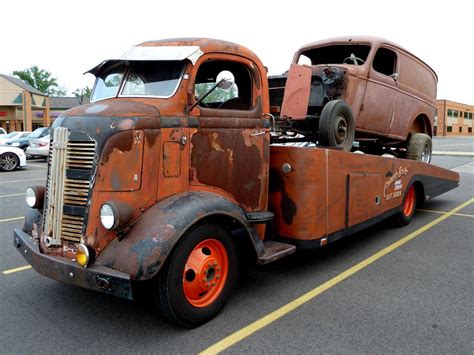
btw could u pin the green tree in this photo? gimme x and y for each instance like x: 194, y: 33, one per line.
x: 41, y: 80
x: 83, y: 93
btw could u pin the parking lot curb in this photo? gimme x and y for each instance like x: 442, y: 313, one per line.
x: 454, y: 154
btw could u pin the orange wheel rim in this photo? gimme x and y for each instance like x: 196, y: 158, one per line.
x: 205, y: 273
x: 409, y: 204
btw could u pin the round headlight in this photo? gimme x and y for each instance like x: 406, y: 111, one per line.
x: 107, y: 217
x: 30, y: 197
x: 82, y: 255
x: 35, y: 196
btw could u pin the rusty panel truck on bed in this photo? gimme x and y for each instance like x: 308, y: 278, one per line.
x: 177, y: 171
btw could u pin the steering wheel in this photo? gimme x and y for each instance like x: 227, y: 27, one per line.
x: 355, y: 60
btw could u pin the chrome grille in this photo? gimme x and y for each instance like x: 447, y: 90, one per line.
x: 79, y: 156
x: 71, y: 227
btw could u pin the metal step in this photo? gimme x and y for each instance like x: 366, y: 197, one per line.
x: 274, y: 251
x: 260, y: 217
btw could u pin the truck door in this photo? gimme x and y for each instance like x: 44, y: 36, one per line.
x: 381, y: 93
x: 229, y: 137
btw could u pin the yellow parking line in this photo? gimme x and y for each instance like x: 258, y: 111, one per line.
x: 11, y: 219
x: 293, y: 305
x: 6, y: 182
x: 442, y: 212
x: 13, y: 195
x: 11, y: 271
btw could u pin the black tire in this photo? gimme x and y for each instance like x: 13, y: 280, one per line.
x: 170, y: 285
x: 9, y: 161
x: 336, y: 125
x: 407, y: 212
x: 419, y: 147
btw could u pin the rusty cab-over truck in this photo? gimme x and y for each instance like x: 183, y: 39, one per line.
x: 169, y: 177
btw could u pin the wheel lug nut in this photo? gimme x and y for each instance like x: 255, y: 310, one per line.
x: 213, y: 284
x: 215, y: 263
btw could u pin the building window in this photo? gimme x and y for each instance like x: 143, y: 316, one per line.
x: 465, y: 114
x: 450, y: 112
x: 455, y: 113
x: 460, y: 129
x: 469, y: 129
x: 449, y: 129
x: 470, y: 115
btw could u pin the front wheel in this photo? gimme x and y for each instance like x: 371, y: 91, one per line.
x: 336, y: 125
x: 197, y: 279
x: 9, y: 162
x: 419, y: 148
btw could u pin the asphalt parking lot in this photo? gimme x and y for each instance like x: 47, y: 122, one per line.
x: 364, y: 294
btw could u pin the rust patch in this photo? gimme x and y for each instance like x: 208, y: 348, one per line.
x: 223, y: 159
x: 121, y: 163
x: 288, y: 206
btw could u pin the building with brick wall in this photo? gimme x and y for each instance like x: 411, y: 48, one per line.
x: 453, y: 119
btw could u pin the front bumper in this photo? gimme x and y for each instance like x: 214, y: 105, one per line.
x: 98, y: 278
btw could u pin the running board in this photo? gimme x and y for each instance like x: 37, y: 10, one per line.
x: 260, y: 217
x: 274, y: 251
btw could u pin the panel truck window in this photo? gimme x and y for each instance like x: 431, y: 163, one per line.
x: 236, y: 97
x: 385, y: 61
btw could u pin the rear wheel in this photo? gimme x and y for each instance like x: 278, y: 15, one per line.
x: 197, y: 280
x: 405, y: 216
x: 419, y: 148
x: 9, y: 161
x: 336, y: 125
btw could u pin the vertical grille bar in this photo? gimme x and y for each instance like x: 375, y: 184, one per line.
x: 54, y: 209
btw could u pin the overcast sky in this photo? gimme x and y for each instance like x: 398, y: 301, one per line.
x: 69, y: 37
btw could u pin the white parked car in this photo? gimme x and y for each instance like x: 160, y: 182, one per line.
x: 2, y: 132
x: 12, y: 135
x: 11, y: 158
x: 39, y: 146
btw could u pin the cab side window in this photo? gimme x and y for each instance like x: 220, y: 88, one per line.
x: 236, y: 97
x: 385, y: 61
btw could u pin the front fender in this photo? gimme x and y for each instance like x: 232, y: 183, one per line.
x: 145, y: 248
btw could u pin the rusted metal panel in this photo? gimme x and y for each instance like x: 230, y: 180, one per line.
x: 297, y: 90
x: 311, y: 200
x: 121, y: 162
x: 364, y: 197
x: 232, y: 160
x: 139, y: 200
x: 171, y: 159
x: 298, y: 191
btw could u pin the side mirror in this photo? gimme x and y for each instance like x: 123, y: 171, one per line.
x: 395, y: 76
x: 225, y: 80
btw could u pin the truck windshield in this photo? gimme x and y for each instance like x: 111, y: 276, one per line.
x: 145, y: 78
x: 336, y: 54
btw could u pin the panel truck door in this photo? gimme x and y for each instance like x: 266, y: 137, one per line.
x: 381, y: 93
x: 229, y: 137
